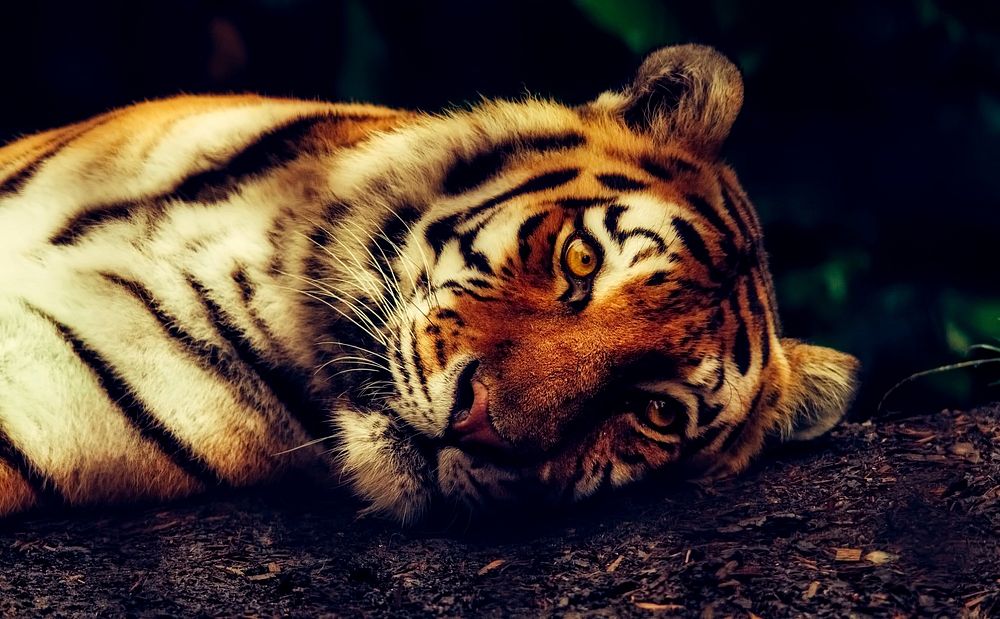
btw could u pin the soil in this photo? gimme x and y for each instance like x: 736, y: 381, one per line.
x: 879, y: 519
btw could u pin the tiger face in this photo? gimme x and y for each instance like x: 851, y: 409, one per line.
x: 583, y: 299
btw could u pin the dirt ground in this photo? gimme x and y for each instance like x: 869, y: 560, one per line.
x: 898, y: 518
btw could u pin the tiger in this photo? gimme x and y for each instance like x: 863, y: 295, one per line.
x: 510, y: 302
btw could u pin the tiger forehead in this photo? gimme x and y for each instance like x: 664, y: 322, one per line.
x: 618, y: 165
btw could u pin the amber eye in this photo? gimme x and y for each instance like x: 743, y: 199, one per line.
x: 660, y: 413
x: 581, y: 258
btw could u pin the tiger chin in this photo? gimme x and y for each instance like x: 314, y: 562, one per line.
x: 521, y: 302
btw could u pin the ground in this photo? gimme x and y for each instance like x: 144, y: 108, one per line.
x: 893, y: 518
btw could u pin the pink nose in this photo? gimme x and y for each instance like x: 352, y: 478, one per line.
x: 473, y: 427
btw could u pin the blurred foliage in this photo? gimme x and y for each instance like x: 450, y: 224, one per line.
x: 641, y: 24
x: 869, y: 141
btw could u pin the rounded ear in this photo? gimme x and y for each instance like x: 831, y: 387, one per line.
x: 821, y: 386
x: 690, y: 93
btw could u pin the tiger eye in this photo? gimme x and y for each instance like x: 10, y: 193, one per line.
x: 660, y: 414
x: 581, y: 258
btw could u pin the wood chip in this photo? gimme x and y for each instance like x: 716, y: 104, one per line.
x: 879, y: 557
x: 614, y: 564
x: 976, y: 601
x: 811, y: 591
x: 492, y: 565
x: 257, y: 577
x: 915, y: 433
x: 654, y: 606
x: 847, y: 554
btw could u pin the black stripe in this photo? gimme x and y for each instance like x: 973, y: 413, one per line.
x: 694, y: 243
x: 741, y: 342
x: 418, y: 362
x: 474, y: 259
x: 620, y: 182
x: 735, y: 199
x: 707, y: 413
x: 321, y: 235
x: 605, y: 483
x: 657, y: 278
x: 681, y: 164
x: 397, y: 354
x: 245, y: 285
x: 95, y: 217
x: 467, y: 174
x: 439, y: 351
x: 123, y: 395
x: 439, y: 232
x: 708, y: 212
x: 16, y: 181
x: 612, y: 216
x: 581, y: 203
x: 695, y: 445
x: 399, y: 224
x: 757, y: 310
x: 542, y: 182
x: 720, y: 369
x: 733, y: 259
x: 734, y: 214
x: 167, y: 322
x: 654, y: 169
x: 286, y: 384
x: 667, y: 169
x: 44, y: 488
x: 479, y: 283
x: 524, y: 232
x: 450, y: 314
x: 458, y: 289
x: 275, y: 147
x: 741, y: 348
x: 214, y: 360
x: 248, y: 386
x: 389, y: 242
x: 646, y: 233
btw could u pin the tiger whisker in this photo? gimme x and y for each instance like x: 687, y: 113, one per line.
x: 315, y: 441
x: 346, y: 345
x: 357, y: 308
x: 377, y: 336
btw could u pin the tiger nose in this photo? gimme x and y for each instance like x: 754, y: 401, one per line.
x: 471, y: 426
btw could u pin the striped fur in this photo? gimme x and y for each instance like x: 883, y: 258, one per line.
x: 192, y: 288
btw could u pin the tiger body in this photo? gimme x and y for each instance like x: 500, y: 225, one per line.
x: 207, y: 291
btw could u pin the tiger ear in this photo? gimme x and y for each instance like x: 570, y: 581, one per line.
x: 690, y: 93
x: 820, y: 389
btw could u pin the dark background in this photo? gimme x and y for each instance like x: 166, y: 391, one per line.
x: 870, y: 140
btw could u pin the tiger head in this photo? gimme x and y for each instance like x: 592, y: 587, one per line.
x: 581, y: 298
